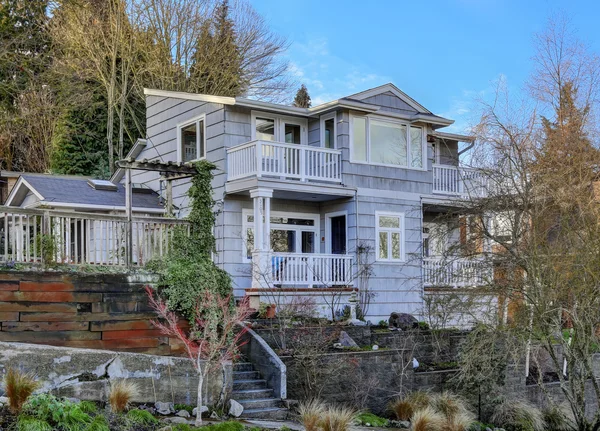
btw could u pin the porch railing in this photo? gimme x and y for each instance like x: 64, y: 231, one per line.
x: 312, y: 270
x: 285, y: 161
x: 43, y: 236
x: 455, y: 272
x: 454, y: 180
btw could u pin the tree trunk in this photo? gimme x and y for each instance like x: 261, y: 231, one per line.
x: 199, y: 403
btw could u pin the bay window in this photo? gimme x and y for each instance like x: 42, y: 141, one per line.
x: 385, y: 142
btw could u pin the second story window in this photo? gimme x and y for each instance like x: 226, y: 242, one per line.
x: 384, y: 142
x: 328, y: 132
x: 191, y: 140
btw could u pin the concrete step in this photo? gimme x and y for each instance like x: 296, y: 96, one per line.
x: 251, y: 394
x: 249, y: 384
x: 269, y: 413
x: 243, y: 366
x: 246, y: 375
x: 260, y: 403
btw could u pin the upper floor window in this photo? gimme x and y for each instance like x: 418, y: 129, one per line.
x: 389, y: 236
x: 328, y: 132
x: 191, y: 145
x: 386, y: 142
x: 278, y: 128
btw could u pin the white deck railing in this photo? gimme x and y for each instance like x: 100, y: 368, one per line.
x: 455, y: 272
x: 285, y: 161
x: 44, y: 236
x: 312, y: 270
x: 454, y: 180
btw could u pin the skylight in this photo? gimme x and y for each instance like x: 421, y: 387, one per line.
x: 103, y: 185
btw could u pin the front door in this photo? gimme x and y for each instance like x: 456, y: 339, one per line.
x: 338, y: 235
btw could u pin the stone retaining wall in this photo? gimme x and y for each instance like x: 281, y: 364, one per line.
x: 98, y: 311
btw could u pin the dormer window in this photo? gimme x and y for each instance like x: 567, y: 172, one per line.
x: 191, y: 145
x: 385, y: 142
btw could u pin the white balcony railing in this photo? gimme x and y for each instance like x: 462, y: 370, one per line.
x: 48, y: 236
x: 455, y: 272
x: 285, y: 161
x: 312, y: 270
x: 454, y: 180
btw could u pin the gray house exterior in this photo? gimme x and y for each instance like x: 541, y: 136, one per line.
x: 310, y: 198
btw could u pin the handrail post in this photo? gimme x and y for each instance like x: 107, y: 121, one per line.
x: 258, y: 148
x: 302, y: 163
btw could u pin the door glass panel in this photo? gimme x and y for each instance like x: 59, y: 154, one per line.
x: 383, y: 245
x: 385, y: 221
x: 388, y: 143
x: 308, y: 242
x: 395, y: 245
x: 292, y: 134
x: 189, y: 140
x: 416, y: 147
x: 283, y: 241
x: 329, y: 134
x: 249, y: 242
x: 359, y: 139
x: 265, y: 129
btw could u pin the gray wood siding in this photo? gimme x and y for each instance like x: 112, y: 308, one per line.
x: 390, y: 102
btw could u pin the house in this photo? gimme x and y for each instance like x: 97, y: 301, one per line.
x: 311, y: 198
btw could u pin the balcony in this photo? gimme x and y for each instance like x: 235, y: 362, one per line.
x: 284, y: 161
x: 458, y: 181
x: 455, y: 272
x: 311, y: 270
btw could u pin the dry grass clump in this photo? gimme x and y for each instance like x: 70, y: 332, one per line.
x: 427, y: 419
x: 558, y: 418
x: 460, y: 422
x: 518, y: 414
x: 454, y: 409
x: 310, y: 413
x: 337, y: 419
x: 405, y: 408
x: 121, y: 394
x: 18, y: 387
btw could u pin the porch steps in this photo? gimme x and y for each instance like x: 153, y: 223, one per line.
x: 251, y: 391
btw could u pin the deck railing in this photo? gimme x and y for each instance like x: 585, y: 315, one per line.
x: 455, y: 272
x: 44, y: 236
x: 454, y: 180
x: 312, y: 270
x: 285, y: 161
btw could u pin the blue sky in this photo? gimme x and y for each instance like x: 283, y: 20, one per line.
x: 444, y: 54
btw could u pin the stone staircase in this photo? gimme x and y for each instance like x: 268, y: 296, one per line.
x: 251, y: 391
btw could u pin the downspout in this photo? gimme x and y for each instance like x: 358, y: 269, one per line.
x: 467, y: 148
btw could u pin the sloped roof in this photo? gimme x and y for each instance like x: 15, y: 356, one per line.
x: 52, y: 189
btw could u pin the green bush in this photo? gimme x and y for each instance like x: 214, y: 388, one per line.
x: 28, y: 423
x: 518, y: 415
x: 224, y: 426
x: 98, y: 424
x: 140, y: 418
x: 61, y: 414
x: 88, y: 407
x: 185, y: 407
x: 371, y: 419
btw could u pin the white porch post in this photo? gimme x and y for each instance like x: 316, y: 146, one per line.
x: 261, y: 256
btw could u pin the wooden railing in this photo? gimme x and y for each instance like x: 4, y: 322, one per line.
x: 312, y: 270
x: 285, y: 161
x: 454, y: 180
x: 45, y: 236
x: 455, y: 272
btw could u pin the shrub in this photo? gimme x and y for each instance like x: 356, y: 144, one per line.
x: 337, y: 419
x: 310, y: 413
x: 18, y: 387
x: 518, y: 415
x: 61, y: 414
x: 427, y: 419
x: 121, y: 393
x: 460, y: 422
x: 141, y: 418
x: 98, y: 424
x: 88, y: 407
x: 557, y: 419
x: 28, y: 423
x: 373, y: 420
x: 449, y: 405
x: 404, y: 408
x: 224, y: 426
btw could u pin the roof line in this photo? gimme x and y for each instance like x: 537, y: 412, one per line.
x: 21, y: 182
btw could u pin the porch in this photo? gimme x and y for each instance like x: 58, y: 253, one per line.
x: 449, y: 272
x: 49, y: 236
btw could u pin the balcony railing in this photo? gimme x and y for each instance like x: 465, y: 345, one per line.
x: 455, y: 272
x: 284, y: 161
x: 45, y: 236
x: 312, y: 270
x: 454, y: 180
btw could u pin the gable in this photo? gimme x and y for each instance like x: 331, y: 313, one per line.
x: 390, y: 102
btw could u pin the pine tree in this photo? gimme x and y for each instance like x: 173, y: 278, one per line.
x: 217, y: 62
x: 302, y: 99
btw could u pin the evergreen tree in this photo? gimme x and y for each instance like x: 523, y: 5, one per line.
x: 302, y: 99
x: 217, y: 62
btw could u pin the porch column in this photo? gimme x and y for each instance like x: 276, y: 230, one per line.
x: 261, y: 255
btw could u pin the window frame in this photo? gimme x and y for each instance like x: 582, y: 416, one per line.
x: 322, y: 120
x: 408, y: 126
x: 279, y: 124
x: 389, y: 231
x: 180, y: 126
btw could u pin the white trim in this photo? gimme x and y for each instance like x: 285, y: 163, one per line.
x: 97, y: 207
x: 316, y: 228
x: 195, y: 120
x: 330, y: 116
x: 389, y: 231
x: 408, y: 126
x: 279, y: 124
x: 393, y: 89
x: 190, y: 96
x: 328, y: 217
x: 20, y: 183
x: 454, y: 137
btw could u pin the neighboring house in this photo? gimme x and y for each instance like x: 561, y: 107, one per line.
x: 307, y: 196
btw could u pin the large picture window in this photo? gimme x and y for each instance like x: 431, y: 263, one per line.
x: 191, y: 144
x: 385, y: 142
x: 389, y: 236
